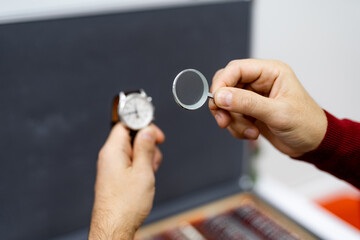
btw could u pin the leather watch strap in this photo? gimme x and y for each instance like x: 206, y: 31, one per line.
x: 114, y: 111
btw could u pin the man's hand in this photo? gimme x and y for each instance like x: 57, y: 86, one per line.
x: 255, y: 97
x: 125, y: 182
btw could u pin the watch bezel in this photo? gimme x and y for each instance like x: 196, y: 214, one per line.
x: 123, y: 98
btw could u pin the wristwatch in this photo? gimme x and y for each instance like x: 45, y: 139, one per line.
x: 134, y: 109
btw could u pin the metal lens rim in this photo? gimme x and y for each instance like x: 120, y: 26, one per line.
x: 204, y: 96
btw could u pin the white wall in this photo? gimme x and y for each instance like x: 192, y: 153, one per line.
x: 320, y: 40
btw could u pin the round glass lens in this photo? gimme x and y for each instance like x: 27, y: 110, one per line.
x: 189, y: 88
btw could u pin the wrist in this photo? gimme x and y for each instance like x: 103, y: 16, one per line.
x: 309, y: 136
x: 108, y: 224
x: 124, y: 232
x: 318, y: 132
x: 316, y: 135
x: 120, y: 232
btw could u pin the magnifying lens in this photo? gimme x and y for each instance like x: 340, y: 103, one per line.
x: 191, y: 89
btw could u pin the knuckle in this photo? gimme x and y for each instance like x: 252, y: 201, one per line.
x: 158, y: 155
x: 284, y: 65
x: 276, y: 62
x: 104, y: 157
x: 281, y: 65
x: 103, y: 154
x: 232, y: 63
x: 274, y: 73
x: 120, y: 127
x: 233, y: 67
x: 216, y: 80
x: 248, y: 104
x: 151, y: 182
x: 212, y: 106
x: 218, y: 72
x: 151, y: 179
x: 237, y: 135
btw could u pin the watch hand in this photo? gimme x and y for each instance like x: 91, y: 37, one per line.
x: 136, y: 111
x: 129, y: 113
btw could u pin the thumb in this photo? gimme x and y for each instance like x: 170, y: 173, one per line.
x: 245, y: 102
x: 144, y: 148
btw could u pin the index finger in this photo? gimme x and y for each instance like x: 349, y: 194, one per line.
x: 246, y: 71
x: 117, y: 148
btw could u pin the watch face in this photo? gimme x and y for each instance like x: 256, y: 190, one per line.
x: 137, y: 112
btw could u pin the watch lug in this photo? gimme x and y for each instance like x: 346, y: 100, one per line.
x: 122, y: 100
x: 143, y: 93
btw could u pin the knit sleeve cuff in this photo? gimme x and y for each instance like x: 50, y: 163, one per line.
x: 339, y: 151
x: 328, y: 146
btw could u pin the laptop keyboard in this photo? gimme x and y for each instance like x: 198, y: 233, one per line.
x: 242, y: 223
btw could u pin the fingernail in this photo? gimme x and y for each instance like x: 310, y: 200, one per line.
x: 251, y: 133
x: 148, y: 135
x: 224, y: 98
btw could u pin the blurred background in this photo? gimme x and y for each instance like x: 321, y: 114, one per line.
x: 318, y: 39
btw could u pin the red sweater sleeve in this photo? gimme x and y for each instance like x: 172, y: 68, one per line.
x: 339, y: 152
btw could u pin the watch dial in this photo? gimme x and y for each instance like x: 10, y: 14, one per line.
x: 137, y: 112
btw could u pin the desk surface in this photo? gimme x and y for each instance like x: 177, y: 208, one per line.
x: 220, y: 207
x: 304, y: 211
